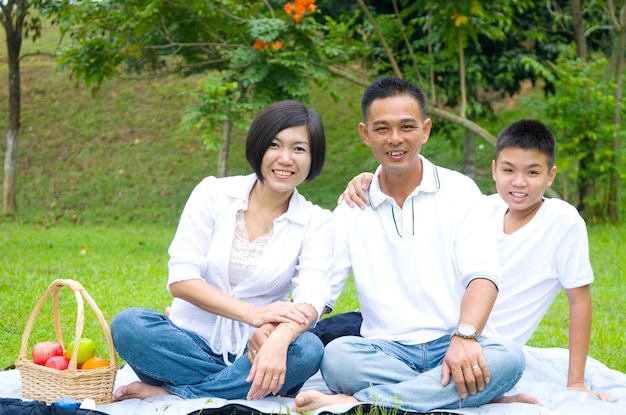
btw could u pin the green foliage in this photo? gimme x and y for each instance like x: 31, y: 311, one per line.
x: 581, y: 115
x: 219, y: 102
x: 254, y: 55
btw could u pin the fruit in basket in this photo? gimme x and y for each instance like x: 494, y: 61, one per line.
x: 94, y: 362
x: 42, y: 351
x: 58, y: 362
x: 86, y: 350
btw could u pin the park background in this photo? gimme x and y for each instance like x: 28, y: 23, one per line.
x: 104, y: 170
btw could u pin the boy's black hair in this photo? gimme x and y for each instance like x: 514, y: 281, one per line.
x: 528, y: 135
x: 277, y: 117
x: 391, y: 86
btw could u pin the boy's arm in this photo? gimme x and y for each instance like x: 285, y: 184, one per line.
x: 579, y: 333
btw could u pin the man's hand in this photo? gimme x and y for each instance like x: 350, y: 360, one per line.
x: 258, y: 339
x: 466, y: 364
x: 355, y: 192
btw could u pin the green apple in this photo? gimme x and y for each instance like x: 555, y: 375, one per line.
x: 86, y: 350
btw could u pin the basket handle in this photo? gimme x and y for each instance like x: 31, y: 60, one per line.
x: 79, y: 293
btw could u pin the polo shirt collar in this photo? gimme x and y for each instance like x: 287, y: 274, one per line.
x: 429, y: 183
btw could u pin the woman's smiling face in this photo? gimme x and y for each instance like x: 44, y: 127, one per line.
x: 287, y: 161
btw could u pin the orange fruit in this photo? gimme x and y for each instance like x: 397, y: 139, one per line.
x: 94, y: 362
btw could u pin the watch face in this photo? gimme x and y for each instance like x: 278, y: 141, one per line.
x: 466, y: 330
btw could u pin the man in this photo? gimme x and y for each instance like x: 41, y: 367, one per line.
x: 426, y: 271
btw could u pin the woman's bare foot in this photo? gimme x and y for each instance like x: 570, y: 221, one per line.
x: 520, y: 397
x: 138, y: 390
x: 311, y: 399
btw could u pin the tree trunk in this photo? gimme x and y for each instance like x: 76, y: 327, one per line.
x: 469, y: 154
x: 222, y: 157
x: 13, y: 29
x: 586, y: 185
x: 578, y: 25
x: 618, y: 51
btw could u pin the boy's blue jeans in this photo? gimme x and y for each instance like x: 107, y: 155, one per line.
x: 408, y: 377
x: 164, y: 355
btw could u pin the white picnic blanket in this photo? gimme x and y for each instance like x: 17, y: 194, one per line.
x: 545, y: 377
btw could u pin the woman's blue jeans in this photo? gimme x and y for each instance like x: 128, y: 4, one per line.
x: 164, y: 355
x: 408, y: 377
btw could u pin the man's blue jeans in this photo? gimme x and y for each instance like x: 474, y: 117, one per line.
x: 408, y: 377
x: 164, y: 355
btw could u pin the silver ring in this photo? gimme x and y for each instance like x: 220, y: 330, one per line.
x: 475, y: 367
x: 274, y: 377
x: 253, y: 352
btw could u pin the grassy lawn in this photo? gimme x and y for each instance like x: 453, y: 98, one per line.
x: 102, y: 180
x: 127, y: 266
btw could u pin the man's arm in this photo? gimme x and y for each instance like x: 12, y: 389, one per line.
x: 356, y: 191
x: 464, y: 360
x: 580, y: 310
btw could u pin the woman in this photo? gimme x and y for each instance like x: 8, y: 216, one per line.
x: 242, y: 245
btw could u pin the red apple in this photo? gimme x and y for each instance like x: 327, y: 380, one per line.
x: 42, y: 351
x: 58, y: 362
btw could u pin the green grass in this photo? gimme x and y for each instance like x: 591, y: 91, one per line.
x: 112, y: 171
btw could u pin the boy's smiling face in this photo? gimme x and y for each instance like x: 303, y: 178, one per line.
x: 522, y: 177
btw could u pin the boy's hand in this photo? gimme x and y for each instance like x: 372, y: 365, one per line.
x: 603, y: 396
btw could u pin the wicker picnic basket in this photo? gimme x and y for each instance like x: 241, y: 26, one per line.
x: 46, y: 384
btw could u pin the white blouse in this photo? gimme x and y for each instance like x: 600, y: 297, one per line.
x: 295, y: 260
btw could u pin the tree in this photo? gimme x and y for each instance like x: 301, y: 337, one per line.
x: 254, y: 54
x: 592, y: 138
x: 18, y: 21
x: 468, y: 59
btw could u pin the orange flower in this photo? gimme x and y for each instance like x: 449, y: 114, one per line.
x: 298, y: 8
x: 259, y: 45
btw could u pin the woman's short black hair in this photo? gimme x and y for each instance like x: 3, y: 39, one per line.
x: 277, y: 117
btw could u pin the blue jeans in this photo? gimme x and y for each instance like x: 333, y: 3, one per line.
x: 408, y: 377
x: 164, y: 355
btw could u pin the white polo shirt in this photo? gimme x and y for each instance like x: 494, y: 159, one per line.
x: 411, y: 265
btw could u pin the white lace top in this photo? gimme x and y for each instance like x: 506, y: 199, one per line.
x: 245, y: 253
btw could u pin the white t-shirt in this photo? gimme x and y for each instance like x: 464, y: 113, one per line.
x: 549, y: 252
x: 295, y: 260
x: 412, y: 264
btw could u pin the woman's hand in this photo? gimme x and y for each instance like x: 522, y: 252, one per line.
x: 279, y: 312
x: 258, y: 339
x: 269, y: 365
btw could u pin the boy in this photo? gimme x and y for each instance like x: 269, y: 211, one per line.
x: 542, y: 244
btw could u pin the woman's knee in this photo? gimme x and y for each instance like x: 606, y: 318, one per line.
x: 128, y: 323
x: 308, y: 345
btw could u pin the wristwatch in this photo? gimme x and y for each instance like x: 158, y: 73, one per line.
x: 466, y: 331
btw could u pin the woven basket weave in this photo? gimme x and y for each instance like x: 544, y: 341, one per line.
x: 46, y: 384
